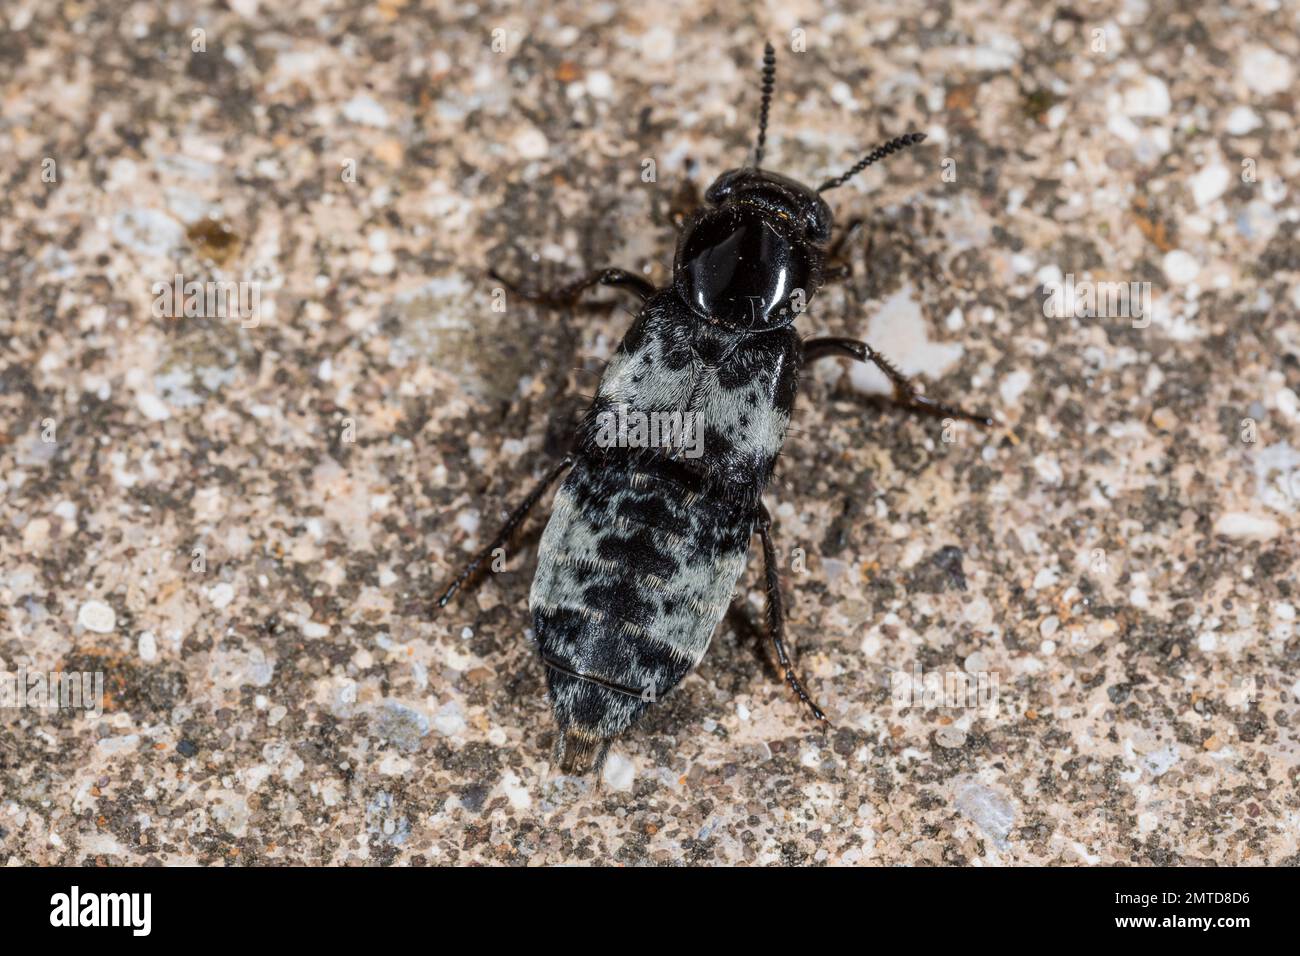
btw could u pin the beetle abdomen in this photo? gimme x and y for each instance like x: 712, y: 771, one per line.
x: 634, y: 573
x: 649, y: 533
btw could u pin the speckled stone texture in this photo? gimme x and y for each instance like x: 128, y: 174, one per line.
x: 241, y: 521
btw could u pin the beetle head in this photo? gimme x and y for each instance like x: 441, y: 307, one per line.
x: 752, y: 258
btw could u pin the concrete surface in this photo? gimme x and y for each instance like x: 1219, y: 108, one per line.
x: 240, y: 520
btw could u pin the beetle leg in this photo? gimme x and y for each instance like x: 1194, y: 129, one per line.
x: 850, y: 228
x: 905, y: 393
x: 776, y: 613
x: 506, y: 533
x: 684, y: 203
x: 567, y: 294
x: 838, y: 264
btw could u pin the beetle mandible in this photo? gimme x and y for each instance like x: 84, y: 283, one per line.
x: 646, y: 542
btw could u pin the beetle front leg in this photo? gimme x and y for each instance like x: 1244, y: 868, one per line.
x: 507, y: 531
x: 905, y: 393
x: 776, y: 613
x: 684, y: 203
x: 838, y: 264
x: 568, y: 294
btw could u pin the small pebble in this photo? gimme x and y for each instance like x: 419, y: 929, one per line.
x: 98, y: 617
x: 950, y: 737
x: 221, y: 595
x: 1265, y: 71
x: 1241, y: 524
x: 1210, y: 183
x: 1180, y: 267
x: 1146, y: 96
x: 1242, y: 120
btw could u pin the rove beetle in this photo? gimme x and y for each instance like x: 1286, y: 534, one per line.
x: 645, y: 544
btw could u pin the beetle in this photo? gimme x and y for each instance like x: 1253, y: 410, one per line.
x: 645, y: 542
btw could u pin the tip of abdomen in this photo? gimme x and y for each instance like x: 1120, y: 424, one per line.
x: 581, y: 751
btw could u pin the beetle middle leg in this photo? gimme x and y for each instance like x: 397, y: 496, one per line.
x: 776, y: 613
x: 905, y: 393
x: 507, y: 531
x: 568, y: 293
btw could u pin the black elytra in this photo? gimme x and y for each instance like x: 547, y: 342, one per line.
x: 650, y: 529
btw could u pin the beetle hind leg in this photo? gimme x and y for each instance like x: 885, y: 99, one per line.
x: 776, y: 616
x: 516, y: 518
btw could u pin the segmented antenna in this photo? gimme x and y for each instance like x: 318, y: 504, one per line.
x: 769, y: 82
x: 877, y: 154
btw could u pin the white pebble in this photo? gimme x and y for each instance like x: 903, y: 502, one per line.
x: 618, y: 772
x: 1013, y: 386
x: 1147, y: 96
x: 366, y: 111
x: 950, y: 737
x: 221, y: 595
x: 1242, y: 120
x: 147, y: 646
x: 1265, y: 71
x: 449, y: 720
x: 1180, y: 267
x: 531, y: 143
x: 515, y: 791
x: 1241, y: 524
x: 659, y: 44
x: 599, y: 84
x: 1210, y: 183
x: 152, y: 407
x: 98, y: 617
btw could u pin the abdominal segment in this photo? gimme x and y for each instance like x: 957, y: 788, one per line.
x: 634, y: 572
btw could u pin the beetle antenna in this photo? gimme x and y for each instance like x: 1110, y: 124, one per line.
x: 877, y: 154
x: 769, y: 82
